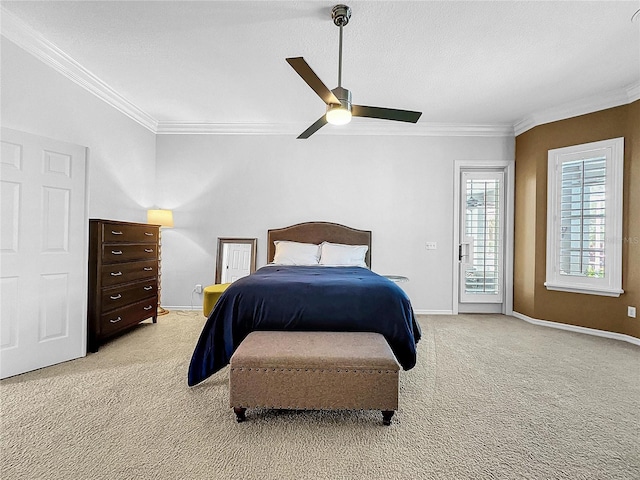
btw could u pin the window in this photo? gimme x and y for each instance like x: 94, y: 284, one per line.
x: 584, y: 218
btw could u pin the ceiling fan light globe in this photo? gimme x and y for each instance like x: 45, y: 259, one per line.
x: 338, y: 115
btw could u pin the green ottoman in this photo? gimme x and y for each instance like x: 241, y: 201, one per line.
x: 211, y: 295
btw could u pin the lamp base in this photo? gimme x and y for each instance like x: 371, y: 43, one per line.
x: 162, y: 311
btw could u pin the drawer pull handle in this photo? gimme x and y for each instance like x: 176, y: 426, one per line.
x: 148, y: 234
x: 115, y: 320
x: 115, y: 297
x: 148, y: 250
x: 115, y: 233
x: 149, y: 307
x: 147, y: 269
x: 148, y: 287
x: 116, y: 252
x: 116, y: 274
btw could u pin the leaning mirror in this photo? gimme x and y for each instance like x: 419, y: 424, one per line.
x: 236, y: 258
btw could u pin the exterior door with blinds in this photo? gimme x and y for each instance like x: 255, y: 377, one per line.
x: 482, y: 233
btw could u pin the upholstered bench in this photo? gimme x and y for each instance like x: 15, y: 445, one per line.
x: 314, y: 371
x: 211, y: 295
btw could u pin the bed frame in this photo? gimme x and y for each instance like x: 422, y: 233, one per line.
x: 318, y: 232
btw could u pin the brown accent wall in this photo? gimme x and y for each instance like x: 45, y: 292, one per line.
x: 531, y: 298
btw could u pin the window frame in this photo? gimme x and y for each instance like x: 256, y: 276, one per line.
x: 611, y: 284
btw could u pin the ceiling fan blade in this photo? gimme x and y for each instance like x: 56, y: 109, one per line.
x: 321, y: 122
x: 385, y: 113
x: 309, y: 76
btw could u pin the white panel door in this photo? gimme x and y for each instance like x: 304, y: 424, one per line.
x: 43, y: 252
x: 237, y: 261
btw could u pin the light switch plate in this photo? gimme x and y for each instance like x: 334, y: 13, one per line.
x: 431, y: 245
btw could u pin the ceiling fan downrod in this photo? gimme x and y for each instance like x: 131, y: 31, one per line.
x: 341, y: 15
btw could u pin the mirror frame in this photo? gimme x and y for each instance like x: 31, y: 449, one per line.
x: 221, y: 243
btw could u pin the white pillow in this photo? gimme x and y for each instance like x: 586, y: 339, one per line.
x: 296, y: 253
x: 339, y: 255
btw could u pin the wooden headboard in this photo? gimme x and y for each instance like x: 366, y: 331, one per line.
x: 318, y: 232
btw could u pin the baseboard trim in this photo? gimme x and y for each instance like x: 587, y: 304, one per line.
x: 433, y: 312
x: 574, y: 328
x: 183, y: 307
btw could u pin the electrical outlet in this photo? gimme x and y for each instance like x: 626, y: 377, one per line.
x: 198, y: 288
x: 631, y: 312
x: 431, y: 245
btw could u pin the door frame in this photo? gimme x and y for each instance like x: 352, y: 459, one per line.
x: 508, y: 166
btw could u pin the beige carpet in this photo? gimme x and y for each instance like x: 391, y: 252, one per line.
x: 492, y: 397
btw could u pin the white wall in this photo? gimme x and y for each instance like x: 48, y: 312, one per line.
x: 401, y: 188
x: 121, y: 165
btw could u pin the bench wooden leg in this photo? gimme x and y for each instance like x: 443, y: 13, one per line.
x: 240, y: 416
x: 386, y: 416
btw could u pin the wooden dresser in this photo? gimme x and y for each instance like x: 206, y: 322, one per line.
x: 123, y: 277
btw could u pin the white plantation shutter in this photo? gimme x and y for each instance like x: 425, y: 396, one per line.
x: 482, y: 220
x: 584, y: 218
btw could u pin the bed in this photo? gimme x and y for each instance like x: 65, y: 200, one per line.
x: 313, y: 297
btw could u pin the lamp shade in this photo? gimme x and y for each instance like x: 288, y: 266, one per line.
x: 164, y: 218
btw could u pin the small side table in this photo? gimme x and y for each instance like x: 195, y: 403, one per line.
x: 396, y: 278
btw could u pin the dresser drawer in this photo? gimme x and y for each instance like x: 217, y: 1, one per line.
x: 125, y: 253
x: 122, y: 295
x: 128, y: 272
x: 127, y: 316
x: 116, y: 232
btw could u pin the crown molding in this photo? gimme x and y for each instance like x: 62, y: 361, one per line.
x: 633, y: 91
x: 356, y: 128
x: 614, y: 98
x: 212, y: 128
x: 33, y: 42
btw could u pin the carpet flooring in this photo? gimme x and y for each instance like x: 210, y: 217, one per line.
x: 492, y: 397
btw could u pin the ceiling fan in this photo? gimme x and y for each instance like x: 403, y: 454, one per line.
x: 339, y: 106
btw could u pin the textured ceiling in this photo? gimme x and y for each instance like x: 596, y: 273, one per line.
x: 485, y: 63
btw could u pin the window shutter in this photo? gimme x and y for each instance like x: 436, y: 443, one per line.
x: 583, y: 215
x: 483, y: 223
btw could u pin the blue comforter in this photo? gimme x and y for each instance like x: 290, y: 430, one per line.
x: 349, y: 299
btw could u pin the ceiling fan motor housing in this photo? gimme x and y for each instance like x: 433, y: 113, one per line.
x: 344, y: 96
x: 341, y: 15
